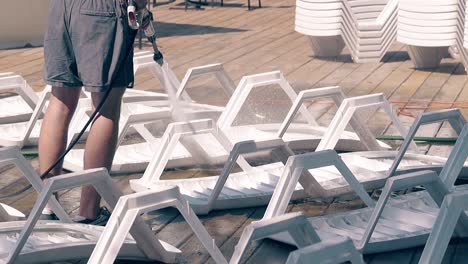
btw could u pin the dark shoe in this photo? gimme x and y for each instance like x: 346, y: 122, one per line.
x: 48, y: 217
x: 101, y: 219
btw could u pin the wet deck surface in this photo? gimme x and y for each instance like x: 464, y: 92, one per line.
x: 249, y: 42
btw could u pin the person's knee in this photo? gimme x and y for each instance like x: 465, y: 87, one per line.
x: 111, y: 107
x: 65, y: 100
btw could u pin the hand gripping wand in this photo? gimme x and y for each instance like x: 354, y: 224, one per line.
x: 144, y: 19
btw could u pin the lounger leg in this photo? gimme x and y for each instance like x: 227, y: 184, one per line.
x: 426, y: 57
x: 328, y: 46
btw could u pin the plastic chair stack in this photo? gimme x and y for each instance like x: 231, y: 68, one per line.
x: 366, y: 27
x: 321, y: 20
x: 429, y: 28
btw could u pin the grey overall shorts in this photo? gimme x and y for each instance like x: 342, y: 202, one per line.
x: 88, y: 43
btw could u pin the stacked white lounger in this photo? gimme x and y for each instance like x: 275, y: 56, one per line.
x: 367, y: 27
x: 429, y: 28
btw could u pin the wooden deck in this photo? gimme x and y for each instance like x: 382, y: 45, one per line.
x: 249, y: 42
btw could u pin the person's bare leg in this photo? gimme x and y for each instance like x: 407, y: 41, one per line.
x: 54, y: 129
x: 100, y: 146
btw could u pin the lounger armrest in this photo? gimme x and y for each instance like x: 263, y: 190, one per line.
x: 337, y: 250
x: 453, y: 116
x: 295, y: 224
x: 429, y: 179
x: 344, y: 115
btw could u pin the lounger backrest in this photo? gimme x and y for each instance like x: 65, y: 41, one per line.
x: 458, y: 123
x: 244, y: 88
x: 344, y: 115
x: 337, y: 95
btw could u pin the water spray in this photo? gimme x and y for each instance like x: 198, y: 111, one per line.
x: 143, y: 19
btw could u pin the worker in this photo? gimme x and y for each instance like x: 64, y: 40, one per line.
x: 88, y: 44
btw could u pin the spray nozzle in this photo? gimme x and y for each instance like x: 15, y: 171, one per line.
x: 143, y: 19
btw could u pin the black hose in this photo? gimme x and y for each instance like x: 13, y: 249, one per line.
x: 70, y: 146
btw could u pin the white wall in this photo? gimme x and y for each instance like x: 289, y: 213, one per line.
x: 22, y: 22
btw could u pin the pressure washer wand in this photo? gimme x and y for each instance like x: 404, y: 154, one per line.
x: 144, y: 18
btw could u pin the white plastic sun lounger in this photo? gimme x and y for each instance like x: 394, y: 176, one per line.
x: 135, y: 157
x: 391, y: 223
x: 48, y: 241
x: 35, y: 241
x: 253, y: 186
x: 299, y: 229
